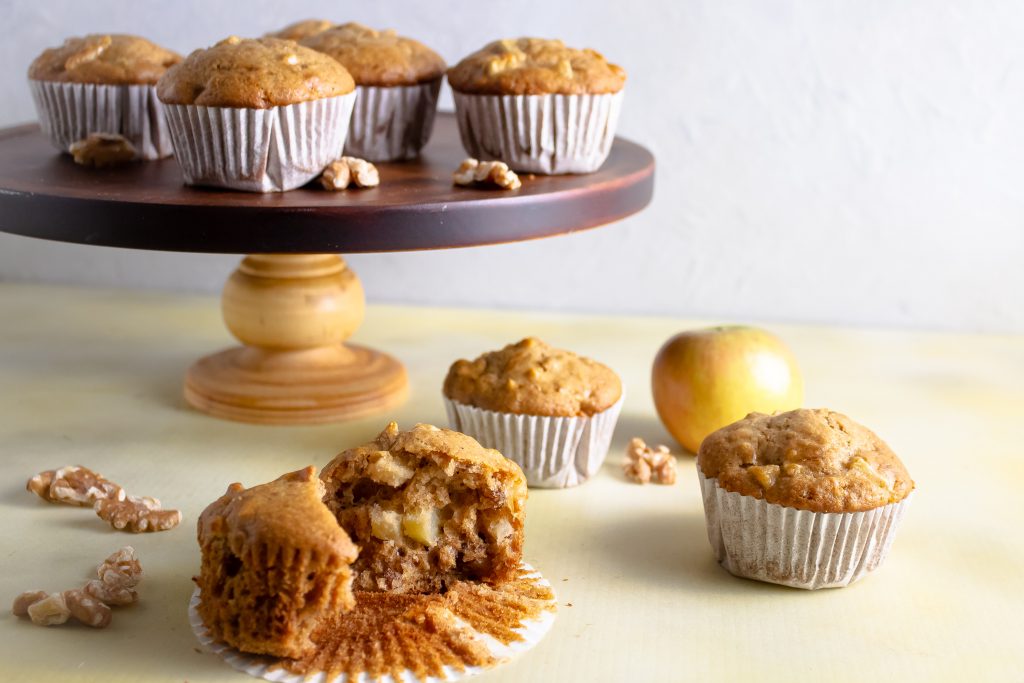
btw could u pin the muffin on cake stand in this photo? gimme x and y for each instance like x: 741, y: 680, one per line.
x: 293, y: 302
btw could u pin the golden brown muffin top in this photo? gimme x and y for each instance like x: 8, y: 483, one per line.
x: 810, y: 459
x: 380, y: 58
x: 108, y: 59
x: 532, y: 378
x: 287, y: 512
x: 535, y: 66
x: 254, y: 73
x: 442, y: 446
x: 301, y: 29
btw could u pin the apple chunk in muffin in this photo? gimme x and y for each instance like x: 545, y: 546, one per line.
x: 427, y: 506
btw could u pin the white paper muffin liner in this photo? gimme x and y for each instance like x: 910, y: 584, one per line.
x: 548, y: 134
x: 532, y: 632
x: 554, y: 452
x: 392, y: 123
x: 799, y: 548
x: 259, y: 150
x: 69, y: 112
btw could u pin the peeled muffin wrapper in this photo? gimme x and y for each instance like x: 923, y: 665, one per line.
x: 392, y: 123
x: 548, y: 134
x: 410, y: 637
x: 758, y: 540
x: 69, y: 112
x: 259, y: 150
x: 553, y: 452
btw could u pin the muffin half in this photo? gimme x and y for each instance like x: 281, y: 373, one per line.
x: 103, y: 83
x: 257, y: 114
x: 807, y: 498
x: 538, y: 105
x: 397, y: 79
x: 274, y: 562
x: 551, y: 411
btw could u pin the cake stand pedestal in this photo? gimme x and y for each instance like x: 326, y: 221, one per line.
x: 292, y: 302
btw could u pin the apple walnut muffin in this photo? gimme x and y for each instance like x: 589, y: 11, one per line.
x: 274, y: 562
x: 428, y: 506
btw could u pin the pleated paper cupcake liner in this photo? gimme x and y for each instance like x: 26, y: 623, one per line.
x: 392, y: 123
x: 69, y: 112
x: 531, y: 632
x: 259, y: 150
x: 554, y: 452
x: 799, y: 548
x: 548, y: 134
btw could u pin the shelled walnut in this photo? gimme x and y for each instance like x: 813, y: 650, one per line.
x: 118, y: 576
x: 496, y: 173
x: 103, y: 149
x: 348, y: 171
x: 644, y: 464
x: 137, y: 514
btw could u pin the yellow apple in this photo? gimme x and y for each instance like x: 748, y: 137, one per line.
x: 705, y: 379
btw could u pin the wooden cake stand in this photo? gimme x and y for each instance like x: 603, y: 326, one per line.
x: 293, y: 302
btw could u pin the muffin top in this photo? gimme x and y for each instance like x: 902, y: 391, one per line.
x: 535, y: 66
x: 810, y: 459
x: 254, y: 73
x: 532, y: 378
x: 301, y: 29
x: 442, y: 446
x: 108, y: 59
x: 288, y: 512
x: 381, y: 58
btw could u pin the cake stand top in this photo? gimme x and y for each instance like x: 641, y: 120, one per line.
x: 45, y: 194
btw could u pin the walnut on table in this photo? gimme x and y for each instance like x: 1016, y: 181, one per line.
x: 137, y: 514
x: 102, y: 149
x: 496, y: 173
x: 644, y: 465
x: 348, y: 171
x: 118, y: 576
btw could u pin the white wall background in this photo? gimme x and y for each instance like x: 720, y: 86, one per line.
x: 858, y: 162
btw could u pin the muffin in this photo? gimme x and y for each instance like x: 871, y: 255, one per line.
x: 428, y: 507
x: 549, y: 410
x: 103, y: 83
x: 301, y: 29
x: 256, y: 114
x: 274, y: 561
x: 397, y: 79
x: 807, y: 498
x: 537, y: 105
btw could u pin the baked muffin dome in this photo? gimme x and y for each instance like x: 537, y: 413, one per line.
x: 379, y: 58
x: 428, y: 506
x: 274, y: 561
x: 809, y: 459
x: 301, y: 29
x: 532, y: 378
x: 254, y: 73
x: 535, y: 66
x: 109, y: 59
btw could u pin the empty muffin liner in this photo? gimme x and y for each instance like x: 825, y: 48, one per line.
x: 69, y: 112
x: 554, y: 452
x: 799, y: 548
x: 548, y: 134
x: 531, y: 632
x: 259, y: 150
x: 392, y: 123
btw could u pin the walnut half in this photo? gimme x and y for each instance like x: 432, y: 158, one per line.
x: 137, y: 514
x: 348, y: 171
x: 644, y: 465
x: 494, y: 173
x: 102, y: 149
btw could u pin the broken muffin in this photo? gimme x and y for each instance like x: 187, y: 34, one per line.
x: 274, y: 561
x: 428, y: 506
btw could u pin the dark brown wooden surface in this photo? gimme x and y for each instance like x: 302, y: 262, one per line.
x: 146, y: 206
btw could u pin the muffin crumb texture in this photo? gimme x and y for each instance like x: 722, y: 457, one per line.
x: 809, y: 459
x: 535, y: 66
x: 107, y: 59
x: 254, y: 74
x: 532, y: 378
x: 378, y: 58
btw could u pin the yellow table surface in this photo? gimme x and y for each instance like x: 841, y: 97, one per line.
x: 94, y: 377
